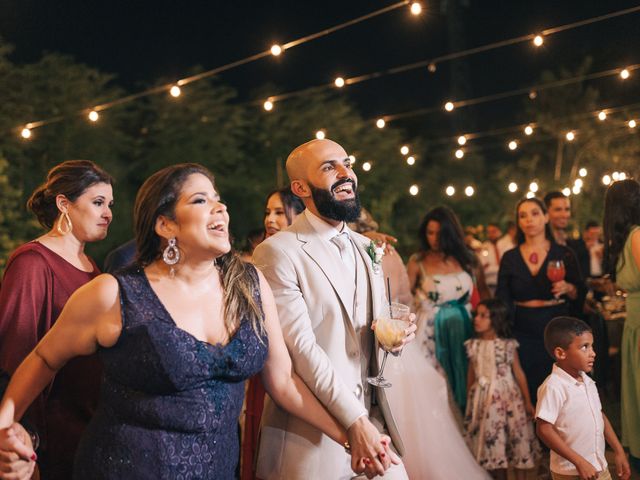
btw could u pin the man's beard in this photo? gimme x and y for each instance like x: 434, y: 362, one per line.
x: 340, y: 210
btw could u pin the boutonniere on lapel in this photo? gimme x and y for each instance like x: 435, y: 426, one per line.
x: 376, y: 252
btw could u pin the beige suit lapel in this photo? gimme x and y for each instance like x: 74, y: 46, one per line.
x: 374, y: 281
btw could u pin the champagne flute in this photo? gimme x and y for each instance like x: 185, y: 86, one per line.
x: 555, y: 271
x: 391, y: 324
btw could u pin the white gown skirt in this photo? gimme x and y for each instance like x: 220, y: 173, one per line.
x: 434, y: 447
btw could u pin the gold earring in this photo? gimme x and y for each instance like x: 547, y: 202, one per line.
x: 67, y: 219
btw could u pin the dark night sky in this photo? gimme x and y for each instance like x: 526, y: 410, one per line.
x: 141, y: 41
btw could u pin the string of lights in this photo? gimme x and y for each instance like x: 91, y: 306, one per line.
x: 175, y: 90
x: 532, y: 91
x: 431, y: 63
x: 576, y: 178
x: 529, y: 127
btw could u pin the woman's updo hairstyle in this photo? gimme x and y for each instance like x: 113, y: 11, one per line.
x: 71, y: 179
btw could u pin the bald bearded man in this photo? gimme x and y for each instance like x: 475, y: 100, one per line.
x: 327, y: 294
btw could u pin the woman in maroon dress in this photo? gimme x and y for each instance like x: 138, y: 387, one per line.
x: 75, y: 205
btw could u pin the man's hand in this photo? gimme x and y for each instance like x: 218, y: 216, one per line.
x: 410, y: 334
x: 17, y: 458
x: 368, y: 452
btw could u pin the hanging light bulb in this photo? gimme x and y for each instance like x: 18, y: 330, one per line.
x: 533, y: 187
x: 432, y: 67
x: 26, y: 133
x: 632, y: 123
x: 339, y: 82
x: 622, y: 176
x: 416, y: 8
x: 175, y: 91
x: 566, y: 191
x: 513, y: 187
x: 578, y: 183
x: 380, y: 123
x: 459, y: 153
x: 93, y: 116
x: 462, y: 140
x: 615, y: 176
x: 606, y: 179
x: 538, y: 40
x: 570, y: 136
x: 575, y: 190
x: 411, y: 160
x: 352, y: 158
x: 413, y: 190
x: 276, y: 50
x: 582, y: 172
x: 320, y: 135
x: 530, y: 195
x: 404, y: 150
x: 469, y: 191
x: 624, y: 73
x: 513, y: 145
x: 602, y: 116
x: 268, y: 105
x: 449, y: 106
x: 366, y: 166
x: 450, y: 190
x: 528, y: 130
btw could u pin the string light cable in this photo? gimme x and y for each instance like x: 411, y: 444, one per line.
x: 432, y: 62
x: 223, y: 68
x: 522, y: 126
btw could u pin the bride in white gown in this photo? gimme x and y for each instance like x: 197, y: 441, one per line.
x: 434, y: 447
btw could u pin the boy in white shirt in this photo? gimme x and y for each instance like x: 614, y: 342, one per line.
x: 569, y: 417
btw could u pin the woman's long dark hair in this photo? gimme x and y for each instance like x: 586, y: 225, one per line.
x: 547, y: 228
x: 451, y: 240
x: 621, y: 213
x: 158, y: 196
x: 292, y: 204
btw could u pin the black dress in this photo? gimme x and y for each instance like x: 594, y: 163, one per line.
x: 169, y: 403
x: 516, y: 284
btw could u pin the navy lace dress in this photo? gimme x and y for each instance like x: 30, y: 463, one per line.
x: 169, y: 403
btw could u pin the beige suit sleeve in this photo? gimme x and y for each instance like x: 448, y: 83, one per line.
x: 310, y: 361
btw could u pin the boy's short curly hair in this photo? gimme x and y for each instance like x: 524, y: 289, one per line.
x: 561, y: 331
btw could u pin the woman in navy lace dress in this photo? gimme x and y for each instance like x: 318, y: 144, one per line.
x: 178, y: 333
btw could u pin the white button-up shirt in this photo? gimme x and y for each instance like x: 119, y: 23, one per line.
x: 574, y: 408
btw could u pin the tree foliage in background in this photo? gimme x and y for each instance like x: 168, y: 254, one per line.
x: 12, y: 231
x: 243, y: 145
x: 552, y: 160
x: 246, y: 148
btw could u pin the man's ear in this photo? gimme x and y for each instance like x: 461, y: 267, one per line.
x: 300, y: 188
x: 165, y: 227
x: 62, y: 203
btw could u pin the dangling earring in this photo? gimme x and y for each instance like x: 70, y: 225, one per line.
x: 64, y: 217
x: 171, y: 256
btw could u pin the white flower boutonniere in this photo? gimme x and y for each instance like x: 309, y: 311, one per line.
x: 376, y: 252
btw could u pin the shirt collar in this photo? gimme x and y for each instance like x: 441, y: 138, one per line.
x: 565, y: 377
x: 324, y: 229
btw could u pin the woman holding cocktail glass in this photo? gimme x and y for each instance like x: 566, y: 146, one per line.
x: 539, y: 280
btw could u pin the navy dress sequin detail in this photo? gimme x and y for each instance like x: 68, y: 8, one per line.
x: 169, y: 402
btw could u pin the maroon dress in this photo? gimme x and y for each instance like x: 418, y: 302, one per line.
x: 36, y: 285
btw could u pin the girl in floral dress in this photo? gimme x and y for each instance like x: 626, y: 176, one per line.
x: 497, y: 423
